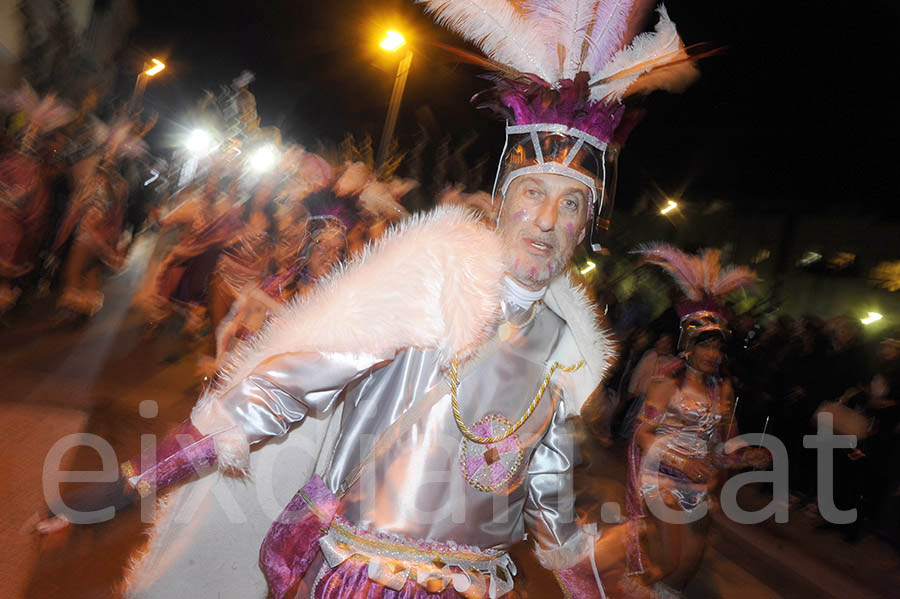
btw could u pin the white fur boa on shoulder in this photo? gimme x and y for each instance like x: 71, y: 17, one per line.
x: 434, y: 281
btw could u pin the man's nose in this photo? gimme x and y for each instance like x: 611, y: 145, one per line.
x: 546, y: 215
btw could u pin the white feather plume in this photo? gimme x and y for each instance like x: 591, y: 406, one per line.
x: 564, y: 26
x: 653, y: 60
x: 607, y: 35
x: 500, y: 31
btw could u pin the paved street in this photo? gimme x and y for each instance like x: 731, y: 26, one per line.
x: 60, y: 381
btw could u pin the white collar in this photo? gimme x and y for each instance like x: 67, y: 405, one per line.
x: 515, y: 294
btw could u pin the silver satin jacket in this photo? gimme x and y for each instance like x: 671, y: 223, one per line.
x: 432, y: 483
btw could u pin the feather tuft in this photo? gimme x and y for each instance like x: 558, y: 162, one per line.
x: 686, y: 269
x: 700, y: 277
x: 499, y: 30
x: 654, y: 60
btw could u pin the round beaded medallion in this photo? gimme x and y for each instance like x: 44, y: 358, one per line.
x: 487, y: 467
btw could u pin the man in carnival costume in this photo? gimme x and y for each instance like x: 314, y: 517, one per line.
x: 434, y: 376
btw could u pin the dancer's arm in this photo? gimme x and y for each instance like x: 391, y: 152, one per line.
x: 577, y: 554
x: 278, y: 393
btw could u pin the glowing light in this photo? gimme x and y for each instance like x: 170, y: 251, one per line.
x: 670, y: 206
x: 887, y: 275
x: 588, y: 268
x: 158, y: 66
x: 199, y: 142
x: 872, y: 317
x: 263, y: 159
x: 810, y: 258
x: 392, y: 41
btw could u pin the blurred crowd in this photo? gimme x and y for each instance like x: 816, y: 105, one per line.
x: 237, y: 222
x: 786, y: 371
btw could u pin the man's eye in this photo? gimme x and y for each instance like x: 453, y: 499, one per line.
x: 570, y: 204
x: 532, y: 192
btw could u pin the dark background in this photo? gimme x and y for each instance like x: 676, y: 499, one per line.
x: 798, y: 113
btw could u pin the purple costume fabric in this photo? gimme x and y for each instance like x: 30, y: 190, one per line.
x: 178, y: 455
x: 21, y: 226
x: 292, y: 542
x: 186, y: 273
x: 567, y: 103
x: 580, y: 581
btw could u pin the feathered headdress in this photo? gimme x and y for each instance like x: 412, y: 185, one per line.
x: 705, y: 284
x: 564, y: 68
x: 41, y: 114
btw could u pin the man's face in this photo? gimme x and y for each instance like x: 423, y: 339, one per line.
x: 544, y: 217
x: 328, y: 249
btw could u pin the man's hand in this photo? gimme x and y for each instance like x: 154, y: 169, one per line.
x: 50, y: 525
x: 698, y: 470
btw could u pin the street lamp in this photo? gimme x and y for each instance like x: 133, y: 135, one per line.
x: 393, y: 41
x: 154, y: 68
x: 158, y: 66
x: 263, y: 159
x: 670, y: 206
x: 872, y: 317
x: 199, y: 143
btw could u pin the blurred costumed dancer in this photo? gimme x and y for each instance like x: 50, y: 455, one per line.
x: 93, y: 224
x: 295, y: 273
x: 24, y: 193
x: 434, y: 376
x: 181, y: 281
x: 247, y: 255
x: 676, y: 453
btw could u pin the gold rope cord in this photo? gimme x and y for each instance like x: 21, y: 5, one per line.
x: 467, y: 432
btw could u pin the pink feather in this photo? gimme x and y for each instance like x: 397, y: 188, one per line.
x: 687, y: 270
x: 702, y: 276
x: 732, y: 279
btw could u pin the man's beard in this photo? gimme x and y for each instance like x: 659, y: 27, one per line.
x: 538, y: 275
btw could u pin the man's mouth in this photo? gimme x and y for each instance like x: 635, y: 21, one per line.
x: 539, y: 246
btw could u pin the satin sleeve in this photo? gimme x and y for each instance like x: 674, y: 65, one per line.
x: 286, y: 388
x: 550, y: 505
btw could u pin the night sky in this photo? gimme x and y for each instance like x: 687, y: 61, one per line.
x: 799, y: 112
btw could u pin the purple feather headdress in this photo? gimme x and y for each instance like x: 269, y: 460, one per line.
x: 564, y: 68
x: 704, y: 282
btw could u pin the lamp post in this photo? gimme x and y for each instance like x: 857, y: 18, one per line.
x: 392, y: 42
x: 153, y: 69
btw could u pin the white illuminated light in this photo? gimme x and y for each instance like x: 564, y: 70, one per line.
x: 198, y: 142
x: 810, y: 258
x: 590, y: 266
x: 263, y: 159
x: 669, y: 207
x: 872, y: 317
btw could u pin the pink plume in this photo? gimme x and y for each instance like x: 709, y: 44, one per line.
x: 733, y: 278
x: 687, y: 270
x: 701, y: 277
x: 709, y: 258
